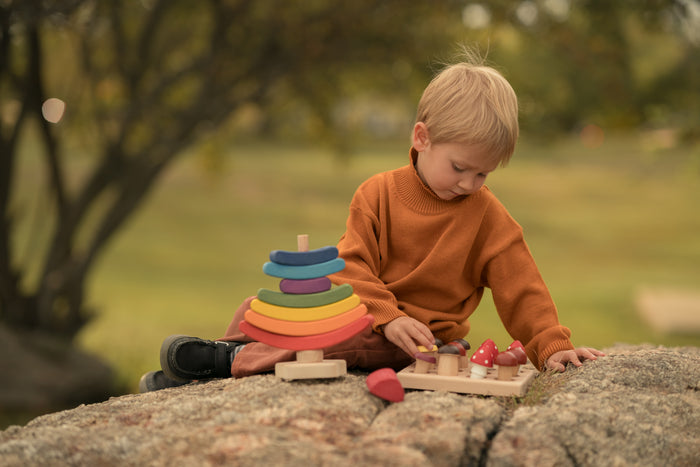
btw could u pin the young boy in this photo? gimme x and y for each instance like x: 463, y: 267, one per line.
x: 422, y: 242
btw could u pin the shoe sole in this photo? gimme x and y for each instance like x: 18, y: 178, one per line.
x: 143, y: 383
x: 164, y: 362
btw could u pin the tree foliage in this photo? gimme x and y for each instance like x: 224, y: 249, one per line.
x: 618, y: 64
x: 145, y: 80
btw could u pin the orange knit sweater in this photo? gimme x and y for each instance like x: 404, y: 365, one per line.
x: 408, y: 252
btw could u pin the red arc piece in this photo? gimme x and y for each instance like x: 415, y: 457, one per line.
x: 313, y: 342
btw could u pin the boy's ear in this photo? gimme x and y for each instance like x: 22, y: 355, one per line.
x: 421, y: 138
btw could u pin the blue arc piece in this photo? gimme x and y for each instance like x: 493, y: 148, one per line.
x: 304, y: 258
x: 304, y: 272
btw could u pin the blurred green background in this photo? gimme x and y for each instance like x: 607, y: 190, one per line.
x: 602, y: 224
x: 153, y: 153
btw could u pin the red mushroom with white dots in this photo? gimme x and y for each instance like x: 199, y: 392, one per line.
x: 491, y: 347
x: 481, y: 361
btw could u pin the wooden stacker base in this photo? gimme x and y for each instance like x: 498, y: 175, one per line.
x: 322, y: 369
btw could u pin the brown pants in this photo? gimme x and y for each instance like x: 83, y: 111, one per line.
x: 366, y: 350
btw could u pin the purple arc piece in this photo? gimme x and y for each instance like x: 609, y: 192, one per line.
x: 426, y: 358
x: 305, y: 286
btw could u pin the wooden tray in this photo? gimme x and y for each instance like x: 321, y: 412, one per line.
x: 462, y: 383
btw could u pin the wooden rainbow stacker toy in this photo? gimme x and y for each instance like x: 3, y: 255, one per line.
x: 308, y: 314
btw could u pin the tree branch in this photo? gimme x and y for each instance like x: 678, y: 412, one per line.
x: 35, y: 80
x: 10, y: 295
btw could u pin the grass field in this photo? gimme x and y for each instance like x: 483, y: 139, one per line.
x: 602, y: 223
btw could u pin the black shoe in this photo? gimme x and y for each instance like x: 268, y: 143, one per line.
x: 185, y: 358
x: 156, y: 380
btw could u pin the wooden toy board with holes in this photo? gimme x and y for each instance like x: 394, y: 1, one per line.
x: 447, y: 368
x: 462, y: 383
x: 308, y: 314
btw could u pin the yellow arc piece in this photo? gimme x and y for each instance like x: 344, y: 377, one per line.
x: 304, y: 328
x: 305, y: 314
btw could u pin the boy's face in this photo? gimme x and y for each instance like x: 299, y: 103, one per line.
x: 451, y: 169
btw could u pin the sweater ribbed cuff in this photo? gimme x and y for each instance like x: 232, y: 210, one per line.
x: 551, y: 349
x: 383, y: 313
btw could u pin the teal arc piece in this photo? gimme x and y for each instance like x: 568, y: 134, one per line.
x: 305, y: 300
x: 310, y: 271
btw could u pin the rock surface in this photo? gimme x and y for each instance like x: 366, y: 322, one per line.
x: 637, y: 406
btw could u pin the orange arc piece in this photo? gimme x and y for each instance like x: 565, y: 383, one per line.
x: 315, y: 342
x: 304, y: 328
x: 305, y: 314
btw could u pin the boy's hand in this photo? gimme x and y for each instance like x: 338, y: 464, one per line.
x: 558, y: 360
x: 407, y: 333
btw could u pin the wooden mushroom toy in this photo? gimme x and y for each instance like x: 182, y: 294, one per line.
x: 464, y: 359
x: 519, y: 351
x: 425, y: 359
x: 516, y: 344
x: 481, y: 361
x: 507, y: 364
x: 448, y: 360
x: 491, y: 345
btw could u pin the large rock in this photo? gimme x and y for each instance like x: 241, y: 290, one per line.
x: 635, y: 407
x: 41, y: 373
x: 638, y: 406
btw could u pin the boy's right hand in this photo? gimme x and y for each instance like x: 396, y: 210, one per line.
x: 407, y: 333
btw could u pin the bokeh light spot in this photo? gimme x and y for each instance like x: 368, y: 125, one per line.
x: 527, y: 13
x: 53, y: 110
x: 476, y: 16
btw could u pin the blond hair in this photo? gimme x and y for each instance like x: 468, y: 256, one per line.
x: 472, y: 104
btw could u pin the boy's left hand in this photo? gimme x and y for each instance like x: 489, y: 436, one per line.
x: 557, y: 361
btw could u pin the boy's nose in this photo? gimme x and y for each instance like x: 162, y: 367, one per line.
x: 467, y: 184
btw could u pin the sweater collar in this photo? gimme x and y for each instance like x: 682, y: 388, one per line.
x: 417, y: 195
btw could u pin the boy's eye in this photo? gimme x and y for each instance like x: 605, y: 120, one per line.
x: 457, y: 168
